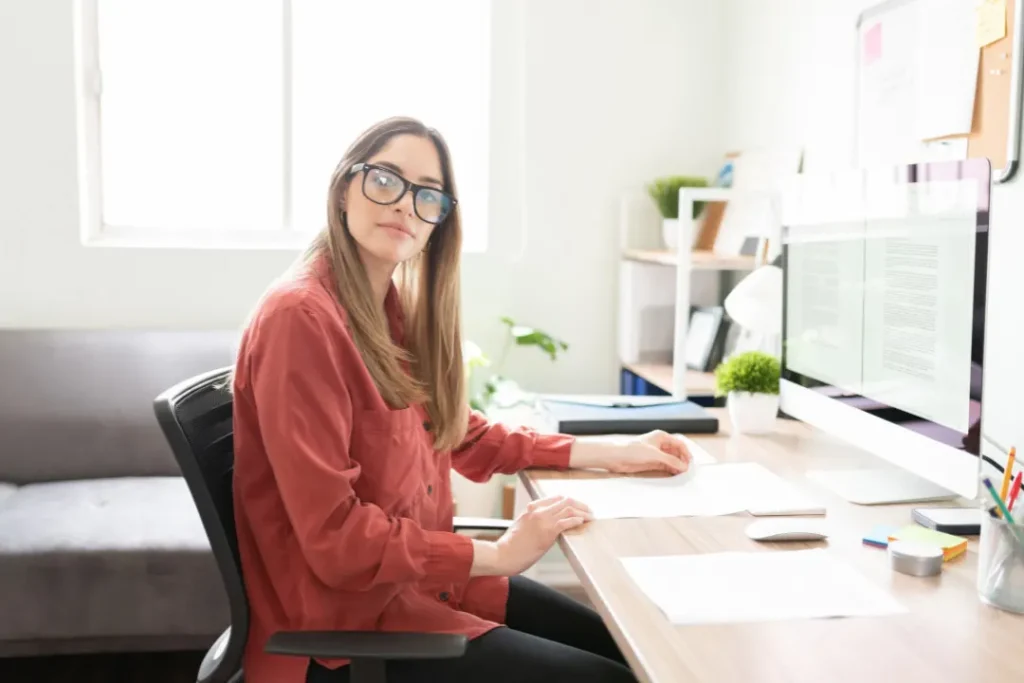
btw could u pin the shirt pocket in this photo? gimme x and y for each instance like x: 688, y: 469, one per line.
x: 391, y: 448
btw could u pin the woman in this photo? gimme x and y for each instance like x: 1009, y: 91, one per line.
x: 351, y: 410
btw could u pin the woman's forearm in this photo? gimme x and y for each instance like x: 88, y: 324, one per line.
x: 486, y: 559
x: 591, y: 453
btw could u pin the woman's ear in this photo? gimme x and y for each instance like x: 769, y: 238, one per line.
x: 342, y: 191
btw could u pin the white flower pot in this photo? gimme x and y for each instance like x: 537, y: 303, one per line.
x: 670, y: 232
x: 752, y: 413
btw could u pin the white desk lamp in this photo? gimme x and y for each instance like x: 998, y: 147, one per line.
x: 755, y: 304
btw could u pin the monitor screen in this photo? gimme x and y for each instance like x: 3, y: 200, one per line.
x: 884, y: 293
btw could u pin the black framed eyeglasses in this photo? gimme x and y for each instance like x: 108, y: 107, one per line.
x: 383, y: 186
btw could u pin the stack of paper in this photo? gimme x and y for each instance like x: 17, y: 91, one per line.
x: 704, y: 490
x: 756, y: 586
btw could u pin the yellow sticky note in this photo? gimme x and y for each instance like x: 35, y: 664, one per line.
x: 991, y: 21
x: 951, y: 545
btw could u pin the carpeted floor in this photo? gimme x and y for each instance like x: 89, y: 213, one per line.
x: 162, y: 667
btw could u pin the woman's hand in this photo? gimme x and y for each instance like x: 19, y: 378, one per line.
x: 655, y: 451
x: 529, y: 537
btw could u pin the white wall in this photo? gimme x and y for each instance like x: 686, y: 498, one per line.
x: 615, y: 93
x: 790, y: 72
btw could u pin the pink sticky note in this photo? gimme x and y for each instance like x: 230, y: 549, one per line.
x: 873, y: 44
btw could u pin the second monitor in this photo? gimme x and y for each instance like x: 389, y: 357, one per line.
x: 883, y: 335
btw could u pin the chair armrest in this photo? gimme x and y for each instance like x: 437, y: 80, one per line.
x: 367, y: 645
x: 481, y: 524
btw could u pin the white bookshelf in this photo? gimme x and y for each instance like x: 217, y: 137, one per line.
x: 660, y: 375
x: 699, y: 260
x: 684, y: 262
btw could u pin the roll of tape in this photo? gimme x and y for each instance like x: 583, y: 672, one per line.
x: 916, y: 559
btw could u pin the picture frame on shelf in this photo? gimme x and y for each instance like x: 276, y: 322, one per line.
x: 705, y: 337
x: 734, y: 339
x: 750, y: 246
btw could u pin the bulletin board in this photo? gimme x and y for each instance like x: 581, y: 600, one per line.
x: 924, y: 89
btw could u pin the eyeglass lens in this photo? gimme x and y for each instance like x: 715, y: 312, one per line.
x: 385, y: 187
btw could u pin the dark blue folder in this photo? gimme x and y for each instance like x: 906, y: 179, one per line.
x: 627, y: 415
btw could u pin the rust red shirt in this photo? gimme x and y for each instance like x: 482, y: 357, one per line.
x: 343, y: 507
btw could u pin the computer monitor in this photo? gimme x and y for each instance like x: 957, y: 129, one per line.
x: 883, y: 322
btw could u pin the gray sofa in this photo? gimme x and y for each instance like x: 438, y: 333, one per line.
x: 101, y: 547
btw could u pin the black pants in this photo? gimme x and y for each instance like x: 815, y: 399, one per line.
x: 549, y: 637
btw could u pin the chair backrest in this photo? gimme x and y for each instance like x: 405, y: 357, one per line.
x: 196, y: 418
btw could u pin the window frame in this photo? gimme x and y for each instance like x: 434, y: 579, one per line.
x: 95, y: 231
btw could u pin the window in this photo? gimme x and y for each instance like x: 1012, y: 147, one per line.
x: 220, y: 121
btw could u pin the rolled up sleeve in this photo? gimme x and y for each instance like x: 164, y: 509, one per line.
x: 492, y: 447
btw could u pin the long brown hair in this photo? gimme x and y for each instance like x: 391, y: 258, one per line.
x: 428, y: 285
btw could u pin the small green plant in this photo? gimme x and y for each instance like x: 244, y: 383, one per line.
x: 665, y: 193
x: 497, y: 384
x: 528, y: 336
x: 753, y: 371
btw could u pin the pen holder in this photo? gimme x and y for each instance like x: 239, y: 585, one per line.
x: 1001, y: 563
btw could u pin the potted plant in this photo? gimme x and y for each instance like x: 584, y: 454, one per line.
x: 665, y: 193
x: 750, y: 381
x: 498, y: 390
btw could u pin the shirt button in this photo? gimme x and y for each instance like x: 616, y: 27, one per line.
x: 426, y: 425
x: 444, y: 596
x: 430, y: 489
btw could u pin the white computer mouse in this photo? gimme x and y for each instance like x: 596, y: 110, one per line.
x: 787, y: 529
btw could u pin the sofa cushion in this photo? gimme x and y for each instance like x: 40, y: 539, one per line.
x: 6, y: 491
x: 78, y: 404
x: 107, y: 557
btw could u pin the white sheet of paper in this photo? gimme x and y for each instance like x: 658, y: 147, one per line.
x: 757, y: 586
x: 886, y: 101
x: 703, y: 491
x: 619, y: 497
x: 951, y: 149
x: 947, y: 64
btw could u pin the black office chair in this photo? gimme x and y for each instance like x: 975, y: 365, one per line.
x: 196, y: 418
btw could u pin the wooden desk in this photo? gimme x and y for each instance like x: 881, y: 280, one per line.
x: 948, y: 634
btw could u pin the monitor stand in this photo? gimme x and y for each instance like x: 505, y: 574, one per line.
x: 880, y: 486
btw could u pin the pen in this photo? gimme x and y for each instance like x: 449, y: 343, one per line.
x: 1002, y: 508
x: 1014, y: 491
x: 1008, y: 473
